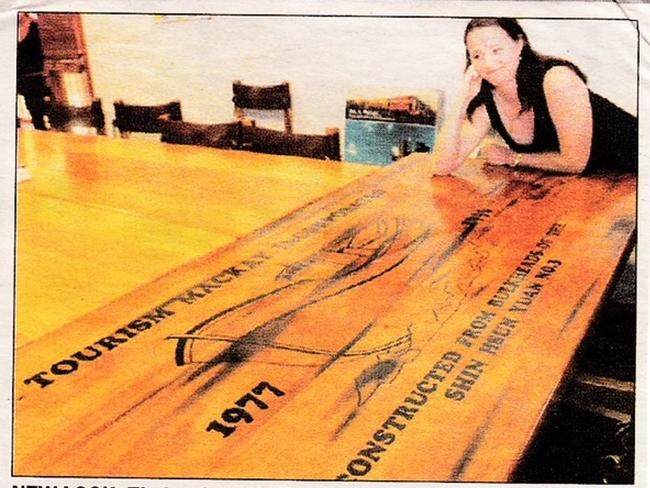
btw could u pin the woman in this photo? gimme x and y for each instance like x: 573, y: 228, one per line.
x: 540, y: 106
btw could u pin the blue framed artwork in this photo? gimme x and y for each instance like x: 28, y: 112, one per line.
x: 381, y: 130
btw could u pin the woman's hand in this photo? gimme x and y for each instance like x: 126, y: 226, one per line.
x: 499, y: 155
x: 459, y: 135
x: 471, y: 85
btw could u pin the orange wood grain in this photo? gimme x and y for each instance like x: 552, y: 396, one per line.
x: 101, y: 216
x: 347, y: 305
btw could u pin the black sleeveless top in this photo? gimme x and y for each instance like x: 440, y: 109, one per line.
x: 614, y: 141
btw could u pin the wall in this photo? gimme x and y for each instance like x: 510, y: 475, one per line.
x: 145, y: 59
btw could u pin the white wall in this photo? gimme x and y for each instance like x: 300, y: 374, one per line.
x: 144, y: 59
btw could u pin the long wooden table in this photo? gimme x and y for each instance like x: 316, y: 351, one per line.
x: 100, y: 216
x: 400, y: 328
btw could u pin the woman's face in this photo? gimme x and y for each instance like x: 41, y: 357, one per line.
x: 494, y: 54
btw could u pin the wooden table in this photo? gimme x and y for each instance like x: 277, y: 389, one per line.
x: 100, y: 216
x: 400, y: 328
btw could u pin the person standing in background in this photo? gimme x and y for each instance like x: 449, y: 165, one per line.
x: 31, y: 80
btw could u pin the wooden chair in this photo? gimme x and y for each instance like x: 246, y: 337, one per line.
x: 270, y: 141
x: 144, y: 118
x: 65, y: 117
x: 275, y: 97
x: 221, y: 136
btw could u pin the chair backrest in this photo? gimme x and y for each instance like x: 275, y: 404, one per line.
x: 275, y: 97
x: 270, y: 141
x: 144, y: 118
x: 222, y: 136
x: 65, y: 117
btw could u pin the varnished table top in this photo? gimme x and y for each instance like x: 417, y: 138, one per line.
x: 101, y: 216
x: 400, y: 328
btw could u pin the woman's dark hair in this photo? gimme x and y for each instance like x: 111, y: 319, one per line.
x: 531, y: 69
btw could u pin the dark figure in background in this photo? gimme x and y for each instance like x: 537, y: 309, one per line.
x: 31, y: 81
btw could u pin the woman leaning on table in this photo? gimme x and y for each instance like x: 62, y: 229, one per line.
x: 539, y: 105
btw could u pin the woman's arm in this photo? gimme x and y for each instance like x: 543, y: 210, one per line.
x: 568, y: 103
x: 459, y: 136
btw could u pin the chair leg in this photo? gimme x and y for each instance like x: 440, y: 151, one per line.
x: 288, y: 126
x: 604, y: 396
